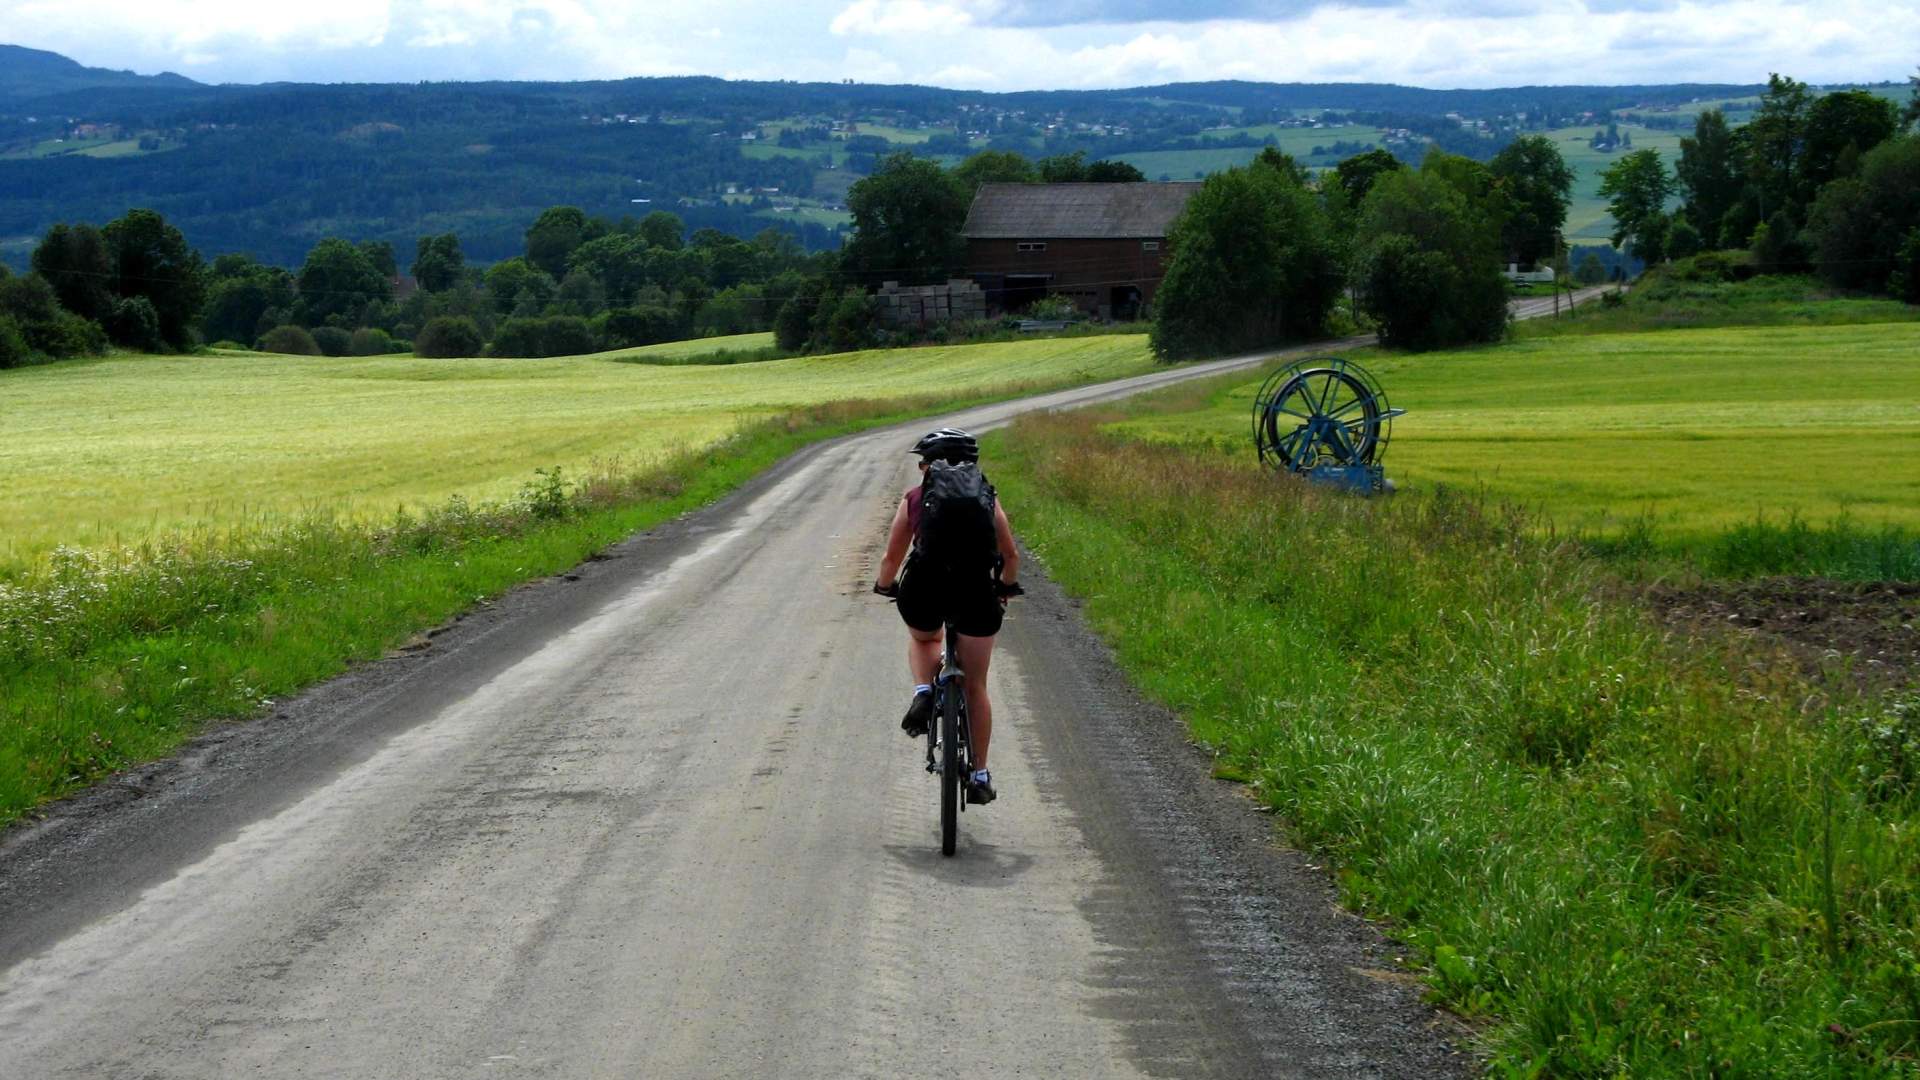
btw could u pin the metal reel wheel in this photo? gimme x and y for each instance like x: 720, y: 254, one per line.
x: 1319, y: 415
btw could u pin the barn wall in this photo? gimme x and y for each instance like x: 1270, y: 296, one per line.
x: 1086, y: 271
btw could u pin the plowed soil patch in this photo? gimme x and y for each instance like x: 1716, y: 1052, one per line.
x: 1869, y: 628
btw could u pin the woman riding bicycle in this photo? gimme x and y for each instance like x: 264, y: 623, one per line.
x: 968, y: 593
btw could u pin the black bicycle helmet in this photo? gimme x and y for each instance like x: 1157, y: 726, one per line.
x: 948, y: 444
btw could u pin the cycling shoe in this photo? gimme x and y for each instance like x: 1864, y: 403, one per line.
x: 919, y: 714
x: 980, y: 788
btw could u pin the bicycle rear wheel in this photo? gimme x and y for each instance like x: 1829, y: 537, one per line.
x: 950, y: 777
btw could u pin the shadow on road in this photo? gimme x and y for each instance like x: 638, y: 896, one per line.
x: 976, y: 864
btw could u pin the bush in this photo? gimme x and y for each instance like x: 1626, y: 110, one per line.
x: 291, y: 340
x: 558, y: 335
x: 135, y: 324
x: 569, y: 335
x: 1053, y: 306
x: 13, y: 344
x: 68, y: 335
x: 332, y: 340
x: 642, y: 324
x: 448, y: 336
x: 370, y: 341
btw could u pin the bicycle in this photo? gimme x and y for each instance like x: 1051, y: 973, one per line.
x: 950, y: 737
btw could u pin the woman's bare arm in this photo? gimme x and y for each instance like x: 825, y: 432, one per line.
x: 1010, y: 555
x: 899, y: 538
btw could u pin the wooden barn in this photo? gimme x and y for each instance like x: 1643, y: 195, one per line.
x: 1103, y: 246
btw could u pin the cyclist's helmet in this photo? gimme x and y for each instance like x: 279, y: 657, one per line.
x: 948, y: 444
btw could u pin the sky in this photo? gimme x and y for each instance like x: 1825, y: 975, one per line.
x: 987, y: 44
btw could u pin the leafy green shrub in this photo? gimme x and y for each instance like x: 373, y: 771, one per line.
x: 230, y: 346
x: 13, y: 344
x: 370, y: 341
x: 642, y: 324
x: 333, y: 341
x: 448, y: 336
x: 291, y: 340
x: 69, y: 335
x: 1053, y: 306
x: 135, y: 324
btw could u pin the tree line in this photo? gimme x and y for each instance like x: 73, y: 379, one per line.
x: 580, y: 283
x: 1827, y: 183
x: 1265, y: 253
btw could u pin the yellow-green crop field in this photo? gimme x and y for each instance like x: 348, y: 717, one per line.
x: 1694, y: 430
x: 119, y: 449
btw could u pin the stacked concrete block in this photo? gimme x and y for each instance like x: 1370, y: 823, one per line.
x: 926, y: 305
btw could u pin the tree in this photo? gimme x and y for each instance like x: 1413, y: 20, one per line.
x: 1859, y: 223
x: 1539, y: 187
x: 1710, y: 175
x: 1637, y: 187
x: 151, y: 259
x: 1912, y: 114
x: 1114, y: 172
x: 1254, y: 262
x: 77, y: 262
x: 1775, y: 137
x: 994, y: 167
x: 380, y: 254
x: 438, y: 262
x: 338, y: 281
x: 510, y: 279
x: 1283, y: 163
x: 1428, y: 262
x: 1683, y: 240
x: 1590, y: 272
x: 1357, y: 173
x: 906, y: 222
x: 1063, y: 168
x: 556, y: 233
x: 618, y: 262
x: 1841, y: 126
x: 246, y: 299
x: 663, y: 230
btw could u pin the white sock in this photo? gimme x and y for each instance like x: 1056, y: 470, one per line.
x: 923, y: 688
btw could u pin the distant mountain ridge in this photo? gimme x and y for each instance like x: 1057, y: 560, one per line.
x: 272, y: 168
x: 31, y: 73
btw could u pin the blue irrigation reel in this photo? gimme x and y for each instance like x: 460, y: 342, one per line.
x: 1327, y: 419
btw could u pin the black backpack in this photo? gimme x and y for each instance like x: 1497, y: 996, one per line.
x: 956, y: 517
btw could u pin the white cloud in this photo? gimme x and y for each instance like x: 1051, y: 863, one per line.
x: 889, y: 18
x: 988, y: 44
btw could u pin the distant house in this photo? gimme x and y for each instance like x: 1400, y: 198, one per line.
x: 1103, y: 246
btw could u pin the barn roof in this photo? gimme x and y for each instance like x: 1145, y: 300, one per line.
x: 1063, y: 211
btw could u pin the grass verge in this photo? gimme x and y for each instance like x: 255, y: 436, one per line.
x: 113, y: 657
x: 1629, y: 855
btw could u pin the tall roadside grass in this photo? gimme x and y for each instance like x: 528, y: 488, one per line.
x: 113, y: 657
x: 1787, y: 545
x: 1632, y: 855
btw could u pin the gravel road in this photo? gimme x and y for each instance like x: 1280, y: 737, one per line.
x: 655, y: 818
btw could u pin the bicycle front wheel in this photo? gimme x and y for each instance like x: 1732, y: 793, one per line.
x: 950, y: 777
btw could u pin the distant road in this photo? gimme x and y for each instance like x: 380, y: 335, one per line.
x: 656, y: 819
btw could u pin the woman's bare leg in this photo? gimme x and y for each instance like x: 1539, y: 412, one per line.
x: 923, y: 655
x: 975, y: 654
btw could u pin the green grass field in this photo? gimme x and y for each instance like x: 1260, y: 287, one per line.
x: 116, y: 450
x: 1588, y: 221
x: 1693, y: 430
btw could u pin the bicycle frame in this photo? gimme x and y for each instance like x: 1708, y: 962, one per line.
x: 951, y: 679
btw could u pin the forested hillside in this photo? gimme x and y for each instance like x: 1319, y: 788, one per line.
x: 272, y: 169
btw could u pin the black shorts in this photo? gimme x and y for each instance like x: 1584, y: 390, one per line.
x: 931, y: 596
